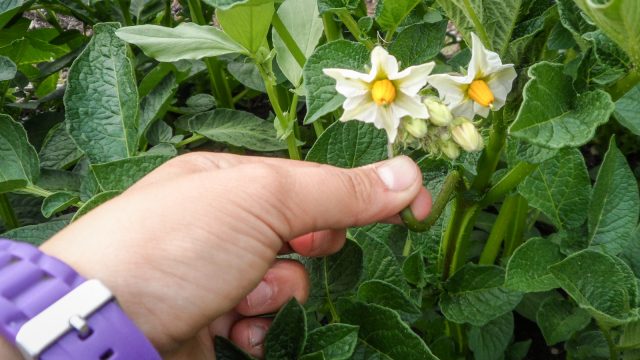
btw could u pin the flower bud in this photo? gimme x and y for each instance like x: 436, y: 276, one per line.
x: 450, y: 149
x: 416, y: 127
x: 439, y: 113
x: 467, y: 136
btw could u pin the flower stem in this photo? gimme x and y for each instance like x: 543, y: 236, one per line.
x: 318, y: 128
x: 508, y: 182
x: 331, y: 30
x: 449, y: 186
x: 491, y: 155
x: 352, y: 25
x: 288, y: 40
x: 7, y: 214
x: 498, y: 231
x: 193, y: 138
x: 270, y: 85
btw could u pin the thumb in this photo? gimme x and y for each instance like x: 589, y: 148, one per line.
x: 326, y: 197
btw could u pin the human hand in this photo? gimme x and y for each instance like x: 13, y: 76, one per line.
x: 189, y: 251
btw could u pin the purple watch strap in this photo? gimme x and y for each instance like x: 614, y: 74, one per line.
x: 31, y: 281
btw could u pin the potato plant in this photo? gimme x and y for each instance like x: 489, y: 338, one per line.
x: 524, y: 116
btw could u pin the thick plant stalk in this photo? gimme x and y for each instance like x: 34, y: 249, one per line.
x: 449, y: 186
x: 331, y: 29
x: 509, y: 182
x: 498, y: 231
x: 515, y: 232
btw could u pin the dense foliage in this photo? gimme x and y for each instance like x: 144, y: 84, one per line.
x: 533, y: 245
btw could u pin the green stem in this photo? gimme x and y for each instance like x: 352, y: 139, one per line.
x: 354, y: 29
x: 36, y: 190
x: 7, y: 214
x: 126, y: 13
x: 508, y: 182
x: 195, y: 10
x: 240, y: 95
x: 331, y: 29
x: 613, y: 350
x: 219, y: 83
x: 491, y: 155
x: 515, y: 232
x: 467, y: 221
x: 318, y: 128
x: 498, y: 232
x: 448, y: 244
x: 167, y: 18
x: 389, y: 36
x: 288, y: 40
x: 449, y: 186
x: 477, y: 24
x: 193, y: 138
x: 269, y: 83
x: 625, y: 84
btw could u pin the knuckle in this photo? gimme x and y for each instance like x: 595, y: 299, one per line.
x: 359, y: 185
x: 190, y: 163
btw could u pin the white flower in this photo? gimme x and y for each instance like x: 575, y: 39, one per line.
x: 384, y: 95
x: 467, y: 136
x: 485, y: 87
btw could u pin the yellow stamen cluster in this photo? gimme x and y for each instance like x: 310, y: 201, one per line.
x: 479, y: 92
x: 383, y: 92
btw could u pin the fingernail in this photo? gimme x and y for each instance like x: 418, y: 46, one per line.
x: 398, y: 174
x: 256, y: 335
x: 260, y: 295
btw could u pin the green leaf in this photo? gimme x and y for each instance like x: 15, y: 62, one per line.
x: 322, y: 97
x: 335, y: 275
x: 57, y: 202
x: 59, y: 180
x: 390, y: 13
x: 497, y: 17
x: 560, y: 188
x: 588, y: 345
x: 520, y: 150
x: 19, y: 163
x: 247, y: 24
x: 380, y: 263
x: 227, y: 350
x: 186, y: 41
x: 247, y: 73
x: 119, y: 175
x: 228, y: 4
x: 334, y: 341
x: 615, y: 203
x: 288, y: 332
x: 9, y: 8
x: 234, y: 127
x: 627, y: 110
x: 414, y: 269
x: 94, y: 202
x: 382, y: 334
x: 38, y: 233
x: 490, y: 341
x: 528, y: 268
x: 631, y: 254
x: 618, y: 19
x: 155, y: 104
x: 553, y: 115
x: 58, y: 150
x: 303, y: 21
x: 601, y: 284
x: 336, y: 5
x: 101, y: 100
x: 559, y: 320
x: 349, y: 144
x: 7, y: 69
x: 387, y: 295
x: 475, y: 295
x: 419, y: 43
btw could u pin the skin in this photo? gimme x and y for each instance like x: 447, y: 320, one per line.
x: 196, y: 241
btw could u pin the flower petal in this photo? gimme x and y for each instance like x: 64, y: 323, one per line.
x: 365, y: 111
x: 383, y: 65
x: 387, y: 120
x: 483, y: 62
x: 464, y: 109
x: 481, y: 110
x: 413, y: 78
x: 349, y: 82
x: 451, y: 88
x: 500, y: 83
x: 405, y: 105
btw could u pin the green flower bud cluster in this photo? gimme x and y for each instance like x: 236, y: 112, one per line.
x: 441, y: 134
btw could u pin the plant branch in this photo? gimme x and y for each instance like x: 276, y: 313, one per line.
x: 288, y: 40
x: 126, y: 14
x: 508, y: 182
x: 354, y: 29
x: 498, y: 232
x: 331, y: 30
x: 477, y: 24
x: 491, y: 155
x: 467, y: 221
x: 193, y: 138
x: 515, y: 232
x: 7, y: 214
x: 449, y: 186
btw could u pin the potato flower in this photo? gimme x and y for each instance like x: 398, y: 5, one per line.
x: 484, y: 88
x: 384, y: 95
